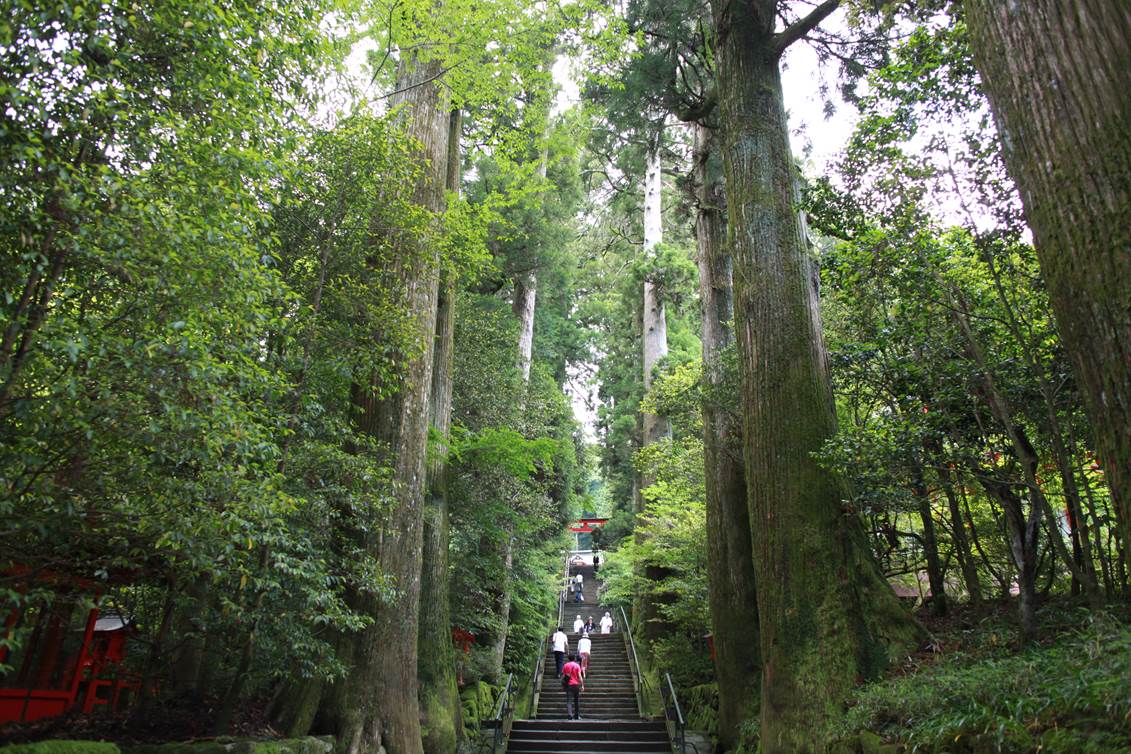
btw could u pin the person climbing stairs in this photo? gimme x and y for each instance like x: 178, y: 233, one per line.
x: 610, y: 716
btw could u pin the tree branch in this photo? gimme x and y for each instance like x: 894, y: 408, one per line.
x: 801, y: 27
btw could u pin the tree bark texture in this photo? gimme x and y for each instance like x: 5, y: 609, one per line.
x: 377, y: 704
x: 436, y: 668
x: 730, y: 569
x: 826, y: 614
x: 655, y: 331
x: 502, y: 606
x: 525, y: 296
x: 1058, y: 76
x: 655, y: 320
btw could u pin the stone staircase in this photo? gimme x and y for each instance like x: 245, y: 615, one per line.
x: 610, y: 714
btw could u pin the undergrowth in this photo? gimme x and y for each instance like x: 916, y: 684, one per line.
x: 1071, y: 696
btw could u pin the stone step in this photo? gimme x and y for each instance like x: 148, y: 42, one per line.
x: 590, y: 725
x: 578, y: 745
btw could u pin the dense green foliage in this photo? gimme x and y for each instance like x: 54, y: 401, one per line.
x: 1066, y: 696
x: 204, y: 240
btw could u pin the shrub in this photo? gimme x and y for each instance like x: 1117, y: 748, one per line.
x: 62, y: 747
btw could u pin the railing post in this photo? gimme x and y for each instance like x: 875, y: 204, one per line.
x: 504, y: 712
x: 674, y: 715
x: 638, y: 682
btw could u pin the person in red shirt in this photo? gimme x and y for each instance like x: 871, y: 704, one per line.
x: 571, y: 682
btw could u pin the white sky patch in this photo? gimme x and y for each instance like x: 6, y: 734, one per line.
x: 581, y: 387
x: 811, y: 133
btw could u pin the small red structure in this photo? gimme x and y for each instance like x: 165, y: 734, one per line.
x: 63, y: 666
x: 463, y: 640
x: 587, y: 525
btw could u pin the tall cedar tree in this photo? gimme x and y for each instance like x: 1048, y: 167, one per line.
x: 827, y: 615
x: 375, y: 708
x: 440, y: 708
x: 1059, y: 82
x: 730, y: 571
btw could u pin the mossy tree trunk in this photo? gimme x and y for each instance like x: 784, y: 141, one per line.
x: 1058, y: 78
x: 377, y: 706
x: 826, y: 614
x: 436, y: 668
x: 730, y: 568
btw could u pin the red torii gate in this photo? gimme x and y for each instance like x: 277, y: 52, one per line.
x: 585, y: 525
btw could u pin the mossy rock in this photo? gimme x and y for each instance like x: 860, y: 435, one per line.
x: 845, y: 746
x: 62, y: 747
x: 865, y: 742
x: 307, y: 745
x: 478, y: 703
x: 469, y: 704
x: 869, y: 742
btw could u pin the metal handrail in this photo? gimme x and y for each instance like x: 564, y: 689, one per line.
x: 536, y: 677
x: 562, y: 587
x: 504, y: 716
x: 674, y: 715
x: 640, y: 682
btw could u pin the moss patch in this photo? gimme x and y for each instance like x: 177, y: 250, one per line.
x: 306, y: 745
x: 62, y: 747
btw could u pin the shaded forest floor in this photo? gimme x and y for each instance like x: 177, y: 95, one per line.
x: 184, y: 720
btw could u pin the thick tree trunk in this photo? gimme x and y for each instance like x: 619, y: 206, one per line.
x: 1058, y: 78
x: 730, y: 569
x: 655, y: 329
x: 502, y: 607
x: 655, y: 321
x: 436, y: 669
x: 827, y: 616
x: 525, y: 296
x: 376, y: 706
x: 187, y: 621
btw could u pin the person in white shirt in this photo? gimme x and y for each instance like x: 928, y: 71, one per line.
x: 561, y: 645
x: 578, y: 625
x: 584, y: 647
x: 578, y: 582
x: 606, y: 623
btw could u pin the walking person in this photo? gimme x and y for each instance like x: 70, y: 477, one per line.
x: 561, y: 646
x: 578, y: 625
x: 606, y: 623
x: 578, y: 584
x: 573, y: 685
x: 584, y: 648
x: 590, y: 627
